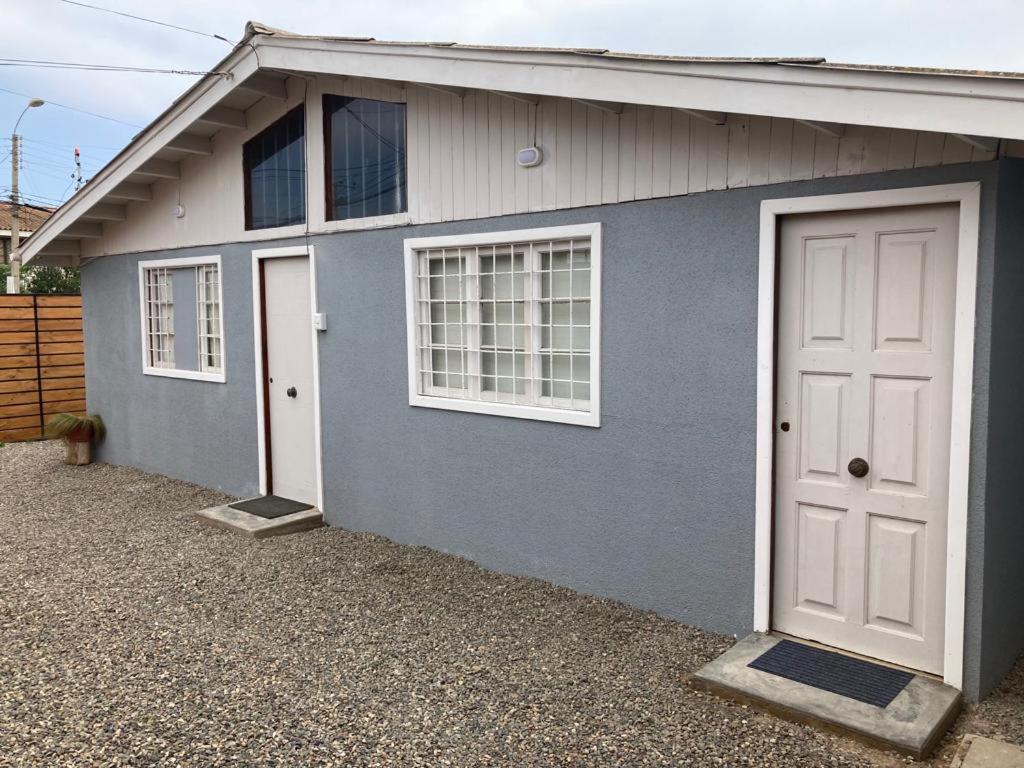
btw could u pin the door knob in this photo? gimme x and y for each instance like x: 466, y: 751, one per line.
x: 857, y: 467
x: 291, y: 392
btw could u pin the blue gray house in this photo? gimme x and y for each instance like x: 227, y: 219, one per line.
x: 735, y: 340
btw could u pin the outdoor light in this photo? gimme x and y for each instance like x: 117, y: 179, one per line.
x: 32, y: 103
x: 529, y: 157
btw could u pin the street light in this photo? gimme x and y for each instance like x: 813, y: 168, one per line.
x: 14, y: 280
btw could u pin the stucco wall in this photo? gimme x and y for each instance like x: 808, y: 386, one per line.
x: 1003, y: 620
x: 194, y: 430
x: 655, y: 508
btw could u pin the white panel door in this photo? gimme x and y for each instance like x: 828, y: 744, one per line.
x: 865, y: 361
x: 289, y: 377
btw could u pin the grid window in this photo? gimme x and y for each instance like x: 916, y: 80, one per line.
x: 209, y: 317
x: 182, y: 309
x: 159, y: 313
x: 509, y: 324
x: 364, y: 142
x: 274, y: 164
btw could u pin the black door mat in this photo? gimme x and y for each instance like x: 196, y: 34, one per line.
x: 270, y: 506
x: 829, y: 671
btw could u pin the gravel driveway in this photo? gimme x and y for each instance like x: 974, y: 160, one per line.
x: 131, y: 635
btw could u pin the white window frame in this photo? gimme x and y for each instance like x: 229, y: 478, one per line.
x: 590, y: 418
x: 179, y: 373
x: 203, y: 339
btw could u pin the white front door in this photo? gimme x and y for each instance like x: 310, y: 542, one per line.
x: 865, y: 360
x: 288, y: 378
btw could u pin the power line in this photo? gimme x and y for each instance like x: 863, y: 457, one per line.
x: 66, y: 146
x: 44, y: 64
x: 73, y: 109
x: 55, y: 155
x: 149, y: 21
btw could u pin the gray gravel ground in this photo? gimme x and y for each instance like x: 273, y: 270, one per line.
x: 132, y: 636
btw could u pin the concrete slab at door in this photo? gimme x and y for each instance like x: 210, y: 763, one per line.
x: 865, y: 361
x: 913, y: 723
x: 289, y: 377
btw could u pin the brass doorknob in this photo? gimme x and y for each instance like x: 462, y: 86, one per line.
x: 857, y: 467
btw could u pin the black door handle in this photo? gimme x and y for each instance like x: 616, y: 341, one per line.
x: 857, y: 467
x: 291, y: 392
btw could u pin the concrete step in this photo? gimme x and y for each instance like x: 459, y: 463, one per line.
x: 257, y: 527
x: 913, y: 723
x: 982, y: 752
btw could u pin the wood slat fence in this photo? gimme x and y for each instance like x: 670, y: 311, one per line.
x: 42, y: 363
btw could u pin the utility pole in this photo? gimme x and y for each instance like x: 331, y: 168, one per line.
x: 14, y: 280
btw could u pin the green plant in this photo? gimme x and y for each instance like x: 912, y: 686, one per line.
x: 51, y: 280
x: 79, y: 429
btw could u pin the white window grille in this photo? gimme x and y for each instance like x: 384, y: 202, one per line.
x: 157, y: 304
x: 208, y: 317
x: 159, y: 311
x: 507, y: 323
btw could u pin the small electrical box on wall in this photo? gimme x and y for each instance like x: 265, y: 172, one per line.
x: 320, y: 321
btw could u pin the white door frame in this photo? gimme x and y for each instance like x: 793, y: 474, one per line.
x: 257, y: 317
x: 968, y: 197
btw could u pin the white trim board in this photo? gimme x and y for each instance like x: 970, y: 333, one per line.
x: 183, y: 373
x: 968, y: 197
x: 257, y: 316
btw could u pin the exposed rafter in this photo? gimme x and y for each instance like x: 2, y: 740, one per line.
x: 224, y: 117
x: 522, y: 98
x: 266, y: 85
x: 715, y: 118
x: 189, y: 142
x: 89, y: 229
x: 106, y: 212
x: 986, y: 143
x: 159, y: 169
x: 612, y: 107
x: 835, y: 130
x: 128, y: 191
x: 72, y: 248
x: 450, y: 90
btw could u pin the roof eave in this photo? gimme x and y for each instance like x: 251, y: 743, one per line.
x: 780, y: 88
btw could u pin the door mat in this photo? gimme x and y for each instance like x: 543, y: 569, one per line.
x: 829, y: 671
x: 270, y: 506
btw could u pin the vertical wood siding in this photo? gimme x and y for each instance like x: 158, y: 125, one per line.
x: 592, y: 156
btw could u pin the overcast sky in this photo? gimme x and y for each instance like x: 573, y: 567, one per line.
x: 985, y: 34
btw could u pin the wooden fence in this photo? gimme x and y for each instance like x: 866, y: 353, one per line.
x: 42, y: 362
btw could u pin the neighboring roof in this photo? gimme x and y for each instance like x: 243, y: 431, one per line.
x: 985, y: 105
x: 30, y: 217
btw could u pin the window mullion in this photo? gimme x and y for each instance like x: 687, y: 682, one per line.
x: 535, y: 319
x: 471, y: 333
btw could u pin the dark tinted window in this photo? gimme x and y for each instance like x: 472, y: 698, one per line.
x: 365, y: 147
x: 275, y: 174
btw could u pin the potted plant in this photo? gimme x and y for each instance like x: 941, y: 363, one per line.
x: 79, y: 432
